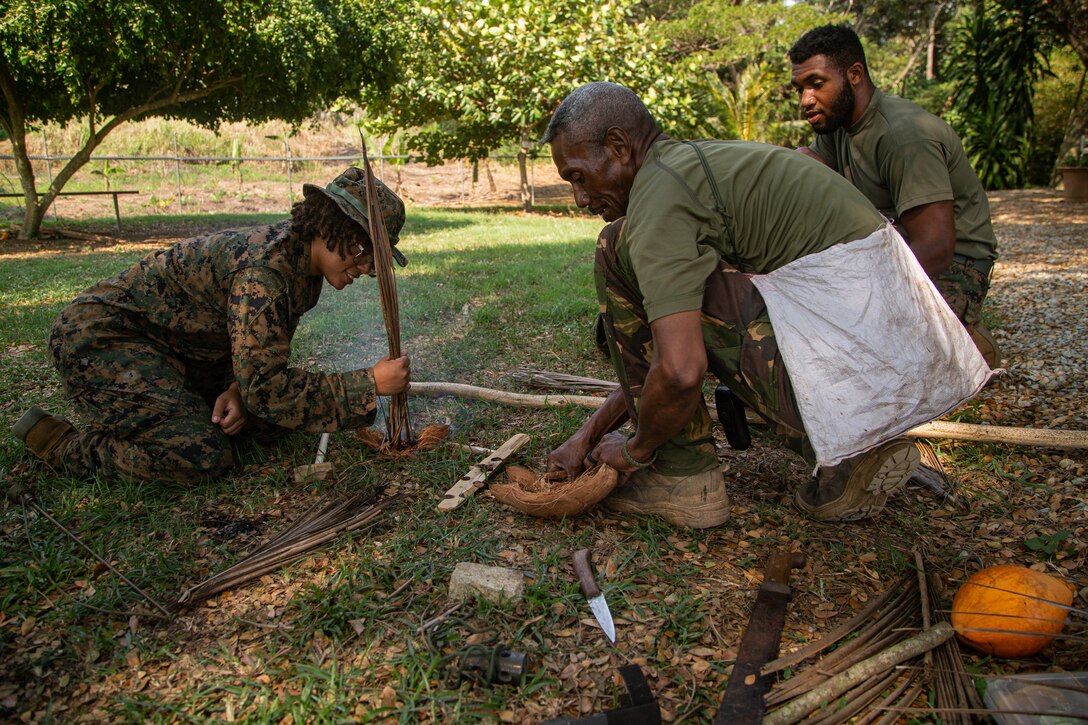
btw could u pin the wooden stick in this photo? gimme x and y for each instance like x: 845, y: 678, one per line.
x: 1043, y: 437
x: 826, y: 693
x: 477, y: 476
x: 398, y: 421
x: 438, y: 390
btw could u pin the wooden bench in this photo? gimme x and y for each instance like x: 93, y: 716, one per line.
x: 114, y: 194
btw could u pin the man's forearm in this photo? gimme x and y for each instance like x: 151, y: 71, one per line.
x: 610, y: 416
x: 666, y: 407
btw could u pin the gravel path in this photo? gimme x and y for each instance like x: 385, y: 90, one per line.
x: 1039, y: 306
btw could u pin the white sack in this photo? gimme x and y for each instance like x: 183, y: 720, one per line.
x: 871, y: 347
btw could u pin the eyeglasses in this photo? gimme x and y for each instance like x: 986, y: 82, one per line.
x: 362, y: 256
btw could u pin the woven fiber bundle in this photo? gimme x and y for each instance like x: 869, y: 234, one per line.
x: 552, y: 496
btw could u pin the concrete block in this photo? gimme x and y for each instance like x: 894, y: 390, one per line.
x: 490, y: 582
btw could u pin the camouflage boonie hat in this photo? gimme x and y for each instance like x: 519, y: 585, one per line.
x: 348, y: 190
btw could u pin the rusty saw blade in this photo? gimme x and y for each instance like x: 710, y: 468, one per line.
x: 743, y: 702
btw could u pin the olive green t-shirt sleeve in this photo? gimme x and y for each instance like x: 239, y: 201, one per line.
x: 916, y: 174
x: 666, y: 254
x: 259, y: 312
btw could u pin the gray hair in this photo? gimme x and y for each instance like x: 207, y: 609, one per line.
x: 590, y: 110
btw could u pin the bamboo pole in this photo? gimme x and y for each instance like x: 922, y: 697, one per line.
x: 1043, y: 437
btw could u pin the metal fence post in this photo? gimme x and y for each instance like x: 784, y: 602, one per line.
x: 177, y: 170
x: 287, y: 149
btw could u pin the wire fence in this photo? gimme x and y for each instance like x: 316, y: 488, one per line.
x: 181, y: 183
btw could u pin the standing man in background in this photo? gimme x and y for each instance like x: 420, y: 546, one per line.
x: 908, y: 163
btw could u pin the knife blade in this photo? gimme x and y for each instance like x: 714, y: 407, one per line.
x: 583, y: 567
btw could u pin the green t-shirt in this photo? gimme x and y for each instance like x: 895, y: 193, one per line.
x: 778, y: 206
x: 901, y: 156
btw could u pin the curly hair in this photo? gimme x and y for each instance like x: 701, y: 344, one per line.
x: 838, y: 42
x: 317, y: 216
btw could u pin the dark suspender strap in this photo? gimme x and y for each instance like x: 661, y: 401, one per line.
x: 718, y: 205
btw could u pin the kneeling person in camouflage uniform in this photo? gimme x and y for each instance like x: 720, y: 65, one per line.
x: 169, y: 359
x: 704, y: 236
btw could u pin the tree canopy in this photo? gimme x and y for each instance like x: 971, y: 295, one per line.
x: 106, y: 62
x: 482, y: 74
x: 740, y: 50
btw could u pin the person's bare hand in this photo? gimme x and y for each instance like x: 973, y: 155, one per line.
x: 392, y: 376
x: 610, y: 452
x: 570, y: 458
x: 228, y: 412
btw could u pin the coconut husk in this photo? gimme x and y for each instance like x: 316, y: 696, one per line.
x: 430, y: 437
x: 552, y: 496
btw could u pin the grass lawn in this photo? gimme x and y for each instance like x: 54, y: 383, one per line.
x: 339, y: 636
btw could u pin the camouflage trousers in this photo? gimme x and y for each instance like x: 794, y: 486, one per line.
x: 147, y: 411
x: 741, y: 352
x: 964, y: 286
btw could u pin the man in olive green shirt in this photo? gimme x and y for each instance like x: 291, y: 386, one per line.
x: 743, y: 259
x: 909, y: 163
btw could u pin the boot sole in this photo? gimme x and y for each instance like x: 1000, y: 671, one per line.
x: 892, y: 473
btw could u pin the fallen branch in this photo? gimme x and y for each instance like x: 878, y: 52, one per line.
x: 72, y: 234
x: 1044, y: 437
x: 438, y: 390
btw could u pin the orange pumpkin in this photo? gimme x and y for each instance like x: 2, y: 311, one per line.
x: 1023, y: 605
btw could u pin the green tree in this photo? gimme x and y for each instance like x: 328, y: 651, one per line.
x: 998, y: 54
x: 106, y: 62
x: 483, y: 74
x: 1068, y: 20
x: 740, y: 49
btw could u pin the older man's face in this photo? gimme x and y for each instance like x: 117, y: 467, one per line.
x: 601, y: 182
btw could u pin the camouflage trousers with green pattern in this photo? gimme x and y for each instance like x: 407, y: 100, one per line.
x: 964, y: 286
x: 741, y: 348
x: 147, y: 412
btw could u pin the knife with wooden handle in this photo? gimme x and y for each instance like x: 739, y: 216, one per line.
x: 583, y: 567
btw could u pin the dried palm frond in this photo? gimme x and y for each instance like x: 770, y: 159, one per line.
x: 858, y: 652
x: 560, y: 381
x: 398, y: 423
x: 318, y: 526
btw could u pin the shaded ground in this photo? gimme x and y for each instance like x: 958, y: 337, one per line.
x: 681, y: 599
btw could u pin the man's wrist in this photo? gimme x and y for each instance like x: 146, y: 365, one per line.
x: 632, y: 460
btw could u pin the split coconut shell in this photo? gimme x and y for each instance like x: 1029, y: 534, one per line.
x: 1010, y: 611
x: 552, y: 496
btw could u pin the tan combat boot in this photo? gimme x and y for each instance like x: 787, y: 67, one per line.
x: 697, y: 502
x: 42, y: 432
x: 859, y: 487
x: 986, y: 344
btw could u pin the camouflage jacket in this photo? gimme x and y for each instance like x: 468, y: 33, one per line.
x: 230, y: 303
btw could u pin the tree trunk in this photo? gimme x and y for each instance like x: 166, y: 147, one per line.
x: 931, y: 46
x: 523, y: 169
